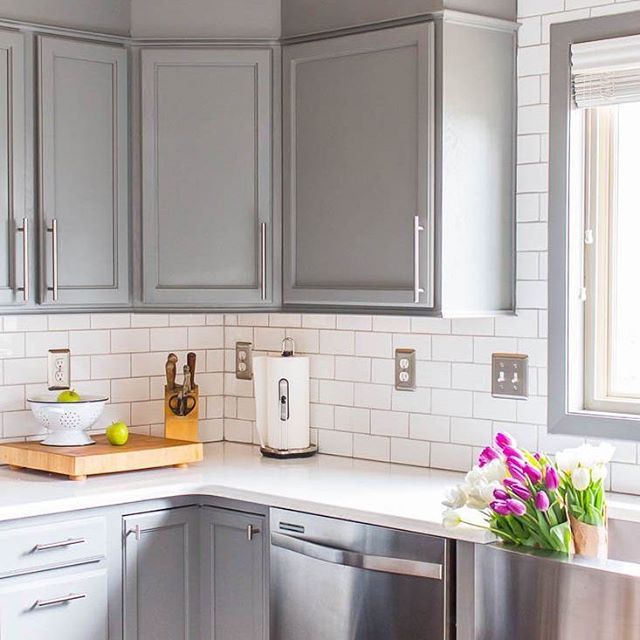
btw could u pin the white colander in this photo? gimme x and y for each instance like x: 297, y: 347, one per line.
x: 67, y: 421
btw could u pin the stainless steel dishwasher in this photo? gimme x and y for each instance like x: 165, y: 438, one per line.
x: 337, y: 580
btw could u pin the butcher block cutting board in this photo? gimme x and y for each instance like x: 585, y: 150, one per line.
x: 140, y: 452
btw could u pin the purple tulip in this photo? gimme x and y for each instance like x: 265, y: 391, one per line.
x: 516, y: 507
x: 499, y: 494
x: 501, y: 508
x: 541, y: 501
x: 551, y: 478
x: 534, y: 474
x: 504, y: 440
x: 510, y: 452
x: 488, y: 454
x: 518, y: 462
x: 521, y: 491
x: 516, y: 472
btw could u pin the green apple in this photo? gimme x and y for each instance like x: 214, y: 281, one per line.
x: 69, y: 395
x: 118, y: 434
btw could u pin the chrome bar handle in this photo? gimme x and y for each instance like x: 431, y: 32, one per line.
x: 59, y: 545
x: 137, y: 532
x: 263, y: 260
x: 251, y: 531
x: 26, y: 285
x: 53, y: 230
x: 39, y: 604
x: 417, y: 228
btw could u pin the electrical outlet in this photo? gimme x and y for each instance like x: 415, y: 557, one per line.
x: 510, y: 375
x: 244, y: 360
x: 59, y: 369
x: 405, y: 370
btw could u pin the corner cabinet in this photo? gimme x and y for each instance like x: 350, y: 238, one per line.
x: 208, y: 226
x: 15, y: 221
x: 358, y: 172
x: 83, y: 156
x: 161, y: 569
x: 234, y: 575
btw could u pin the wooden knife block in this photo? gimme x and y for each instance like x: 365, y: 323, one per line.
x: 181, y: 427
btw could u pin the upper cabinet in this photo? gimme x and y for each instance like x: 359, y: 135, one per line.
x: 358, y: 174
x: 208, y: 224
x: 15, y: 222
x: 83, y: 155
x: 399, y: 169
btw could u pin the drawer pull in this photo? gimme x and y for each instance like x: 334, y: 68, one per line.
x: 54, y: 602
x: 252, y: 531
x: 59, y: 545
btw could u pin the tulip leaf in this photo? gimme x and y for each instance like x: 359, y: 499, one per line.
x: 561, y: 537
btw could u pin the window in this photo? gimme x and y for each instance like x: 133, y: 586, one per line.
x: 594, y: 228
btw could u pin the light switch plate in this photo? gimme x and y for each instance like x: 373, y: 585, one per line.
x: 405, y: 372
x: 244, y: 360
x: 510, y: 375
x: 59, y: 369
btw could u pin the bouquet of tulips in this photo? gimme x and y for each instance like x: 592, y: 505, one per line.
x: 526, y: 499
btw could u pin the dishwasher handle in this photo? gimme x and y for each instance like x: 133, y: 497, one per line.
x: 324, y: 553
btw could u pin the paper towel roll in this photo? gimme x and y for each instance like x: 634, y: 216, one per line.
x: 282, y: 424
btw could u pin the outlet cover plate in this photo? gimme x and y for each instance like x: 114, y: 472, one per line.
x: 405, y: 370
x: 244, y: 360
x: 59, y: 369
x: 510, y: 375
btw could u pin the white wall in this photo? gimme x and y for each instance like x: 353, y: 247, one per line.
x: 112, y: 16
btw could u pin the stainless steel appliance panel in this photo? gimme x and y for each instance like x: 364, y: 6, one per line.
x: 338, y: 580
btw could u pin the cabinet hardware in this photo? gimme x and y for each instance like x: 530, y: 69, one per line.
x: 25, y: 288
x: 39, y: 604
x: 137, y: 532
x: 53, y: 230
x: 59, y: 545
x: 251, y: 531
x: 417, y: 228
x: 263, y: 260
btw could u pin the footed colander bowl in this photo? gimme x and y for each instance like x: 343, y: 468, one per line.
x: 67, y: 422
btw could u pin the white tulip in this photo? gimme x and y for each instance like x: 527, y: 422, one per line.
x: 495, y: 471
x: 599, y: 472
x: 605, y: 453
x: 580, y: 478
x: 455, y: 498
x: 567, y: 460
x: 451, y: 519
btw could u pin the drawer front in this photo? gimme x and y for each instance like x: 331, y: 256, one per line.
x: 29, y: 549
x: 73, y: 607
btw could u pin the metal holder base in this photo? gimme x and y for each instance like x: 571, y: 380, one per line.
x: 285, y: 454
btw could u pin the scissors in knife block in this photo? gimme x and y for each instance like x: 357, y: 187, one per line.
x: 182, y: 404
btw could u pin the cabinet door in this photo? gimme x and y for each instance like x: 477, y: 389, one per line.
x: 207, y: 192
x: 70, y: 607
x: 358, y: 171
x: 83, y: 173
x: 233, y: 575
x: 161, y: 575
x: 14, y: 263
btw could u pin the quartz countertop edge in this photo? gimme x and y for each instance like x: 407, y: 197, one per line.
x: 379, y: 493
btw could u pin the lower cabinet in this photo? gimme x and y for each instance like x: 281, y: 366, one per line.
x: 195, y: 572
x: 161, y: 575
x: 234, y: 589
x: 73, y: 606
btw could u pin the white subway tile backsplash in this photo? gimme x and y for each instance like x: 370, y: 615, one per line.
x: 337, y: 342
x: 169, y: 339
x: 371, y: 447
x: 453, y: 457
x: 372, y: 396
x: 336, y: 392
x: 111, y: 366
x: 353, y: 419
x: 12, y: 345
x: 353, y: 369
x: 25, y: 323
x: 452, y: 348
x: 68, y: 321
x: 130, y: 340
x: 404, y: 451
x: 354, y: 323
x: 338, y: 443
x: 452, y: 402
x: 390, y: 423
x: 418, y: 401
x: 25, y: 371
x: 150, y: 320
x: 130, y: 390
x: 205, y: 337
x: 429, y: 427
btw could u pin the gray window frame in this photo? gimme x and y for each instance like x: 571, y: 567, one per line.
x: 560, y: 418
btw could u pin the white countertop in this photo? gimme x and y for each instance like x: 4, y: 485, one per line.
x: 391, y: 495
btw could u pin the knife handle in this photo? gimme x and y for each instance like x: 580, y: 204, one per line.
x: 191, y: 363
x: 170, y: 369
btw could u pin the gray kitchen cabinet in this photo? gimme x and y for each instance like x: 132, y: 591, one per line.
x: 15, y: 221
x: 234, y: 576
x: 208, y: 232
x: 358, y: 173
x: 83, y: 156
x: 68, y: 606
x: 161, y: 575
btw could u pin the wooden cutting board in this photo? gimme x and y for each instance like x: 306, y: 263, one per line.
x: 140, y: 452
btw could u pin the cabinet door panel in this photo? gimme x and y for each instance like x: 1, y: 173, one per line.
x: 161, y: 584
x: 358, y: 168
x: 84, y: 174
x: 233, y: 575
x: 12, y: 168
x: 207, y: 176
x: 72, y: 607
